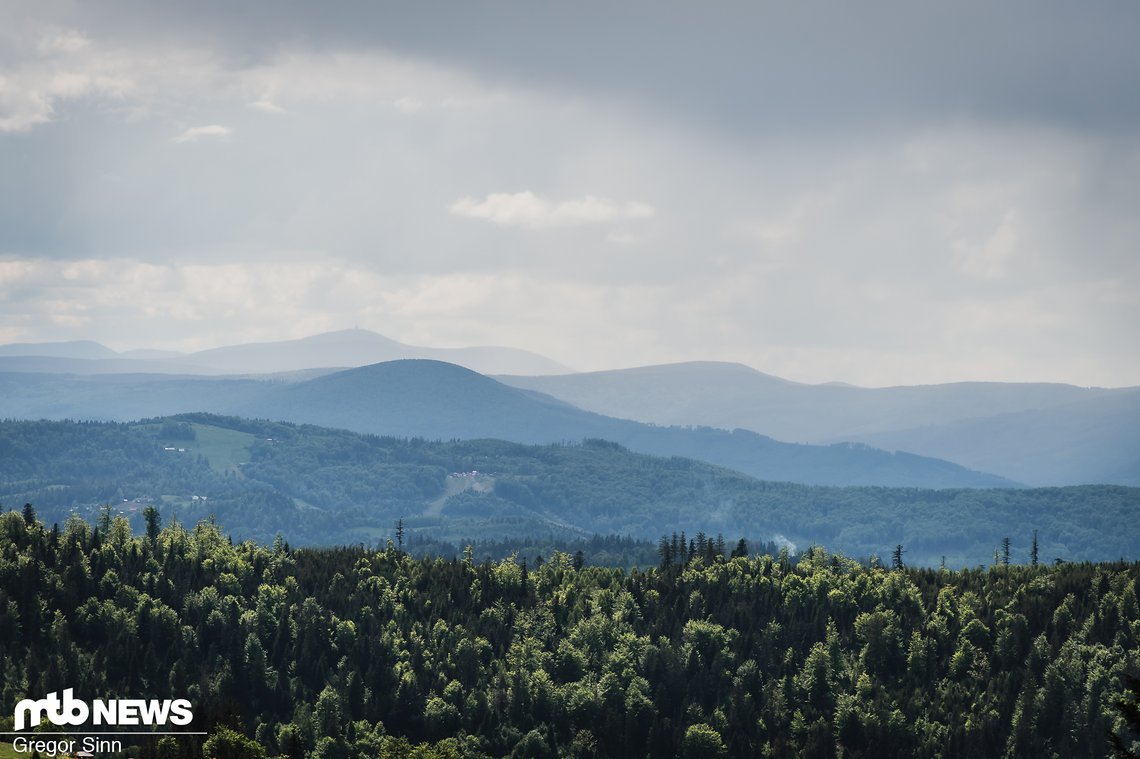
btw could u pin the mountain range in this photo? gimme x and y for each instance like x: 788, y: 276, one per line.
x: 341, y: 349
x: 1037, y: 434
x: 441, y: 401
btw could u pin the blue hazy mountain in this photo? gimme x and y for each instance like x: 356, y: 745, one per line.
x: 1093, y: 440
x: 74, y: 349
x: 1036, y: 433
x: 345, y: 348
x: 359, y: 347
x: 1033, y: 433
x: 436, y: 400
x: 442, y: 401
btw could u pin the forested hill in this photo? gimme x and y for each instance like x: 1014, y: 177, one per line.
x: 316, y: 486
x: 437, y: 400
x: 362, y: 653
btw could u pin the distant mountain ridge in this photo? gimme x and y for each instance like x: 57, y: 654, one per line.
x: 733, y: 395
x: 344, y: 348
x: 1037, y: 433
x: 436, y: 400
x: 1094, y: 440
x: 357, y: 347
x: 80, y: 349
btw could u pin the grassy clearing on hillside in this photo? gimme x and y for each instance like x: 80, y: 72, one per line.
x: 223, y: 448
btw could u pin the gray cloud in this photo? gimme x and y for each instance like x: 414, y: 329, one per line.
x: 881, y: 193
x: 743, y: 65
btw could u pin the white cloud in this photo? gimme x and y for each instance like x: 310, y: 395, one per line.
x: 53, y: 65
x: 408, y: 104
x: 59, y: 65
x: 62, y: 41
x: 992, y: 258
x: 22, y: 110
x: 525, y: 209
x: 266, y: 105
x: 196, y: 133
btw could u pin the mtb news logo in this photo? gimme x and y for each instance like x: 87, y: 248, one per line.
x: 74, y: 712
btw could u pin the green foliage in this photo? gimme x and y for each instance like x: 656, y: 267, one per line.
x: 355, y: 652
x: 229, y: 744
x: 172, y: 430
x: 702, y: 742
x: 317, y: 486
x: 1126, y: 742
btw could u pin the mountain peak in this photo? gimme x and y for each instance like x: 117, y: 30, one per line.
x: 352, y: 335
x: 88, y: 349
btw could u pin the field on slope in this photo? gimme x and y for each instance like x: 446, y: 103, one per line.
x: 226, y: 450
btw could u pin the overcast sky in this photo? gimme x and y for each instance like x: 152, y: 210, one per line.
x: 878, y: 193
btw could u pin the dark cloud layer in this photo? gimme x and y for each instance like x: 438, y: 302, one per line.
x: 746, y: 66
x: 875, y: 192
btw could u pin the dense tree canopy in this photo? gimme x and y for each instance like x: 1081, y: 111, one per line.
x: 360, y: 652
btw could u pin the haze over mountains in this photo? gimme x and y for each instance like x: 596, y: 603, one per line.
x: 440, y: 401
x: 345, y: 348
x: 1035, y: 433
x: 946, y: 435
x: 318, y: 486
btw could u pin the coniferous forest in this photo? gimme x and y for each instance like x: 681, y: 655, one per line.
x: 716, y: 651
x: 322, y: 487
x: 498, y: 379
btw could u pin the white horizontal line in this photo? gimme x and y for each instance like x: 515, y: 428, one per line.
x: 29, y: 734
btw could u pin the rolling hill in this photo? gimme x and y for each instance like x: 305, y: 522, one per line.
x: 1037, y: 433
x: 436, y: 400
x: 358, y: 347
x: 75, y: 349
x: 317, y: 486
x: 1095, y: 440
x: 345, y: 348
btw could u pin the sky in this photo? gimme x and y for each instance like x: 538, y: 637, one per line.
x: 878, y: 193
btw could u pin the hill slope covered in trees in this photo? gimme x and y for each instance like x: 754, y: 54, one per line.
x: 362, y: 653
x: 319, y: 486
x: 437, y: 400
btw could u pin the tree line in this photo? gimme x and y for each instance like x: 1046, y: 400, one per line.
x: 718, y: 651
x: 320, y: 486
